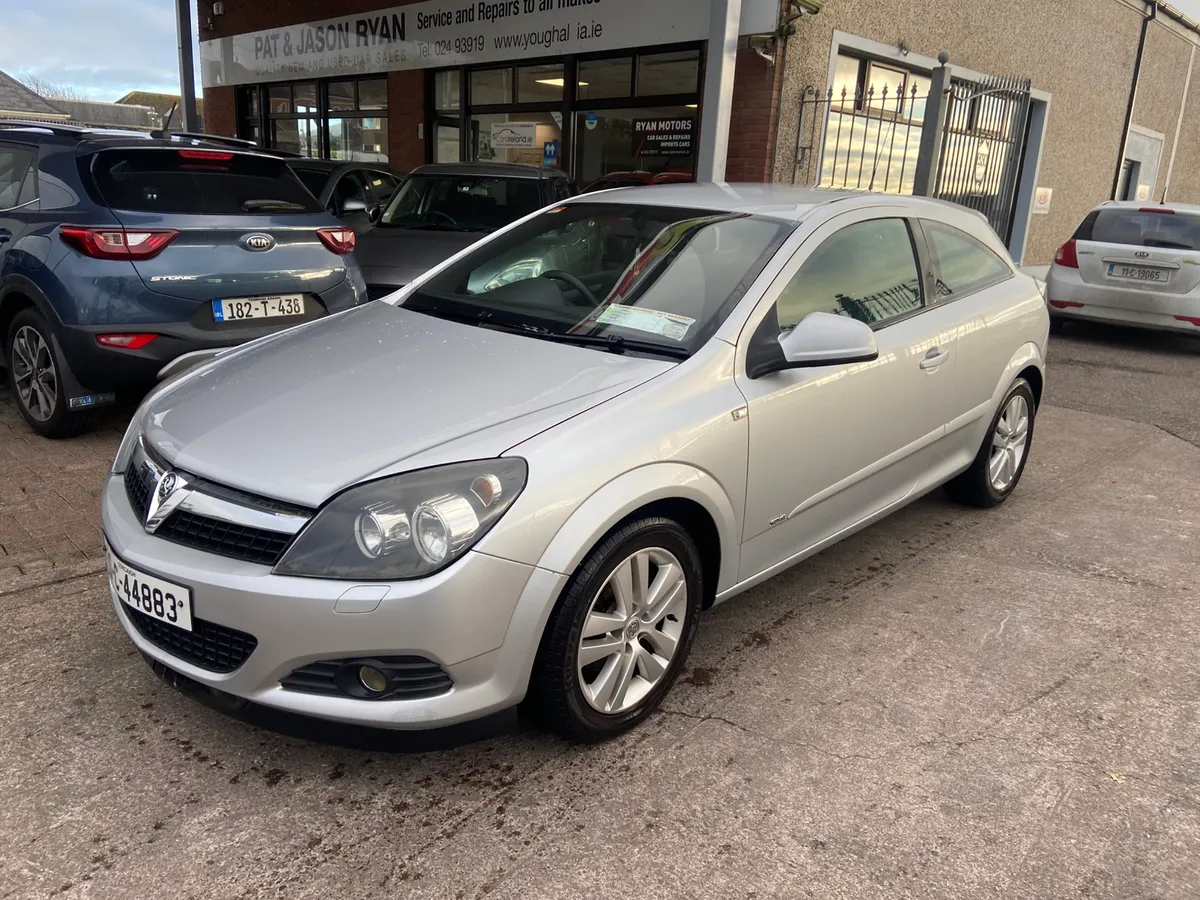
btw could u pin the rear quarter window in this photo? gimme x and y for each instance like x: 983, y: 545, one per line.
x: 168, y: 180
x: 1141, y: 228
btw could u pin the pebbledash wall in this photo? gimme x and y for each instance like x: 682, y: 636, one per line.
x: 1078, y: 55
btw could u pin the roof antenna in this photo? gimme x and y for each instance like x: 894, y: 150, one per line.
x: 165, y: 131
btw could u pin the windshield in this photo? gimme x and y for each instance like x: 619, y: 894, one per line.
x: 617, y: 275
x: 1142, y: 228
x: 461, y: 202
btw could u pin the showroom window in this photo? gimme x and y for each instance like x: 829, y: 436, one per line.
x: 633, y: 113
x: 331, y: 119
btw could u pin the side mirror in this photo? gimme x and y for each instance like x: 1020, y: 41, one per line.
x: 353, y: 205
x: 820, y: 339
x: 374, y: 213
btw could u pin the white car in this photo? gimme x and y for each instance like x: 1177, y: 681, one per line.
x: 1130, y: 264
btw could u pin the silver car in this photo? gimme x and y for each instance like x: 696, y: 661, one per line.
x: 1130, y: 264
x: 526, y: 485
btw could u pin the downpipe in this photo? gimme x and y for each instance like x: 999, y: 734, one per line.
x: 1151, y: 15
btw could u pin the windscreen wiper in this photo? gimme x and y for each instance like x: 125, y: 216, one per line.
x: 253, y: 205
x: 613, y: 343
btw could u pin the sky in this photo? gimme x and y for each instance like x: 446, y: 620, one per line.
x: 104, y: 50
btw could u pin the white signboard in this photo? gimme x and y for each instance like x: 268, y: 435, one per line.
x: 514, y: 135
x: 438, y: 33
x: 1041, y: 200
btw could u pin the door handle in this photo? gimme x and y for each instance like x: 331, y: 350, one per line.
x: 935, y: 358
x: 5, y: 235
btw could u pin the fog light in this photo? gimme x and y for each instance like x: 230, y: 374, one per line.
x: 372, y: 679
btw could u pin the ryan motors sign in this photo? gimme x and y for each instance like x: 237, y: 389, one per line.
x: 440, y: 33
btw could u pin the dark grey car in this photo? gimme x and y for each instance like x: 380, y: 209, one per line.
x: 440, y: 209
x: 354, y: 192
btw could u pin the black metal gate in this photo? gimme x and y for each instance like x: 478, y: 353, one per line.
x: 983, y: 147
x: 861, y: 140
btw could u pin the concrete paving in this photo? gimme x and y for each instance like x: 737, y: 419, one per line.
x: 951, y: 704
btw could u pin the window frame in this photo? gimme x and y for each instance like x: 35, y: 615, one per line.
x: 24, y: 179
x: 933, y: 267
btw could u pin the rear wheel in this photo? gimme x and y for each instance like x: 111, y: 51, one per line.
x: 1001, y: 459
x: 620, y: 633
x: 35, y: 376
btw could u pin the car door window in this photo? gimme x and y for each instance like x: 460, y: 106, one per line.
x: 867, y: 270
x: 380, y: 187
x: 563, y: 189
x: 964, y: 264
x: 349, y: 187
x: 14, y: 164
x: 313, y: 179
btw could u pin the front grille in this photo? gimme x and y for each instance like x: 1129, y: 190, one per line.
x: 208, y: 645
x: 139, y: 482
x: 243, y: 542
x: 409, y: 678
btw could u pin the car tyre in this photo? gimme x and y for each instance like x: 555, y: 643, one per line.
x: 998, y: 466
x: 619, y: 635
x: 35, y: 377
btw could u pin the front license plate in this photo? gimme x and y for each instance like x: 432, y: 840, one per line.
x: 239, y: 309
x: 1136, y: 273
x: 148, y: 594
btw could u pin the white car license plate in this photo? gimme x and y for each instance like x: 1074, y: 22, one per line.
x: 1136, y: 273
x: 237, y: 309
x: 150, y: 595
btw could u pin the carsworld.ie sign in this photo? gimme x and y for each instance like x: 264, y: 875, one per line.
x: 440, y: 33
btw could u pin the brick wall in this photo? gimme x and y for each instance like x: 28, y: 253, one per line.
x: 752, y: 125
x: 220, y: 111
x: 406, y: 112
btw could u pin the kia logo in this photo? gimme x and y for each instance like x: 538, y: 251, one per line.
x: 258, y: 242
x: 1142, y: 253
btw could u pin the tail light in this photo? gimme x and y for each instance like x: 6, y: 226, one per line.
x: 1066, y: 255
x: 125, y: 341
x: 1191, y: 320
x: 117, y: 243
x: 1065, y: 304
x: 1159, y: 210
x: 339, y: 240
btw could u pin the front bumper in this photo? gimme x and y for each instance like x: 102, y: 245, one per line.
x: 480, y: 620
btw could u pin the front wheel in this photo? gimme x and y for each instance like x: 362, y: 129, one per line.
x: 1001, y: 459
x: 620, y: 633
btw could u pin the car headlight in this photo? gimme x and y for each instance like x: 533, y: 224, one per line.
x: 405, y: 526
x: 522, y: 271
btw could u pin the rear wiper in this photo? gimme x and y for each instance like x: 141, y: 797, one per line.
x: 613, y: 343
x: 253, y: 205
x: 1166, y: 245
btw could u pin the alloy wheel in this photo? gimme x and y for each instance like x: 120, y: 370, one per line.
x: 632, y: 630
x: 34, y: 373
x: 1008, y: 444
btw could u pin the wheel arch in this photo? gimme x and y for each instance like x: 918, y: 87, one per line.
x: 681, y: 492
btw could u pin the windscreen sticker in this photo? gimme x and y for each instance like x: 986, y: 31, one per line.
x: 652, y: 321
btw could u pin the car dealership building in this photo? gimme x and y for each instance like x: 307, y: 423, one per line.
x: 1040, y: 111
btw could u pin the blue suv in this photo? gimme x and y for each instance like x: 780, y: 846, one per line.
x: 126, y: 256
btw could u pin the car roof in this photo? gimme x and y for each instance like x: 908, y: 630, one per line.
x: 489, y: 169
x: 1134, y: 205
x: 779, y: 201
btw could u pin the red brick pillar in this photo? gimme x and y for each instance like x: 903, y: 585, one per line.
x: 406, y: 112
x: 755, y: 117
x: 220, y: 111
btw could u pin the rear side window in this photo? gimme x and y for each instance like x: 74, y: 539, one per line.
x: 963, y: 263
x: 313, y: 179
x: 14, y: 165
x: 1141, y: 228
x: 202, y: 182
